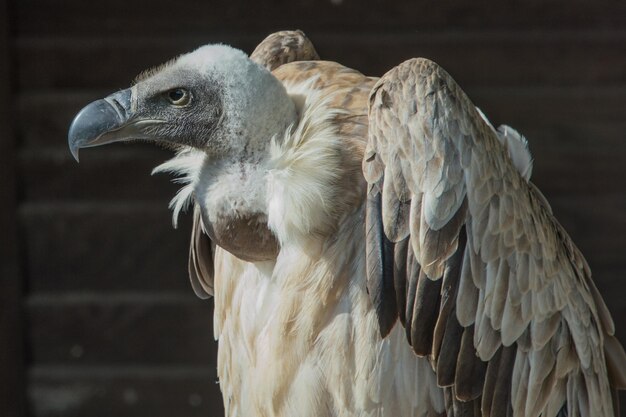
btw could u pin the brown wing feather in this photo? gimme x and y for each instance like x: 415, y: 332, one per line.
x: 283, y: 47
x: 380, y: 266
x: 530, y: 334
x: 201, y: 268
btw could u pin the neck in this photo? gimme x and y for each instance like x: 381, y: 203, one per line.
x: 231, y: 188
x: 253, y: 117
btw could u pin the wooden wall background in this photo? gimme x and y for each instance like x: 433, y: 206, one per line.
x: 96, y: 314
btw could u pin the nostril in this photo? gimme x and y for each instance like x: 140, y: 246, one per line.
x: 117, y: 106
x: 120, y: 102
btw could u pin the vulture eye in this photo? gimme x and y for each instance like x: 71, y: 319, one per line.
x: 178, y: 96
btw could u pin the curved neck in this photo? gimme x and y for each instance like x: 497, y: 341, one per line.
x: 254, y: 115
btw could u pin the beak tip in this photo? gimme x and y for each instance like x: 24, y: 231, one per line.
x: 73, y: 141
x: 74, y: 151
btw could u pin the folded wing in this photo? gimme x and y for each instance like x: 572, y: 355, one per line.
x: 465, y: 251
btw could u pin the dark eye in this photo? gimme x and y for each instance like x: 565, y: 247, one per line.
x: 178, y: 96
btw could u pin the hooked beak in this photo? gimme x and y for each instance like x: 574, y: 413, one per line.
x: 105, y: 121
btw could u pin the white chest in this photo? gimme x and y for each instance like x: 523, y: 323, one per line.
x: 299, y: 337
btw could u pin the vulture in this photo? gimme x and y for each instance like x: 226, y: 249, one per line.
x: 374, y: 246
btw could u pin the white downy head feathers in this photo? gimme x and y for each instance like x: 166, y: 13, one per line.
x: 256, y: 105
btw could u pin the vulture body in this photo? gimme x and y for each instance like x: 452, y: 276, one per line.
x: 374, y: 246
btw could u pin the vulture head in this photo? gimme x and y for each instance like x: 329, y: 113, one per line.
x: 214, y: 99
x: 219, y: 104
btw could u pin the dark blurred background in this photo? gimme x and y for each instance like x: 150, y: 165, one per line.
x: 96, y: 314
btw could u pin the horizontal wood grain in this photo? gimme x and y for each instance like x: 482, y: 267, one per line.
x: 473, y: 58
x: 129, y: 330
x: 162, y: 17
x: 12, y: 398
x: 44, y: 118
x: 134, y: 391
x: 114, y: 173
x: 113, y: 247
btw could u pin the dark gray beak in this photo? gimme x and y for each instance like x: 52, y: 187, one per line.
x: 103, y: 121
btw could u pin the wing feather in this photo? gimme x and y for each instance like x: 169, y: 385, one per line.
x: 380, y: 264
x: 527, y: 331
x: 400, y: 277
x: 283, y: 47
x: 470, y: 370
x: 201, y: 267
x: 450, y: 284
x: 425, y: 313
x: 413, y: 272
x: 449, y: 353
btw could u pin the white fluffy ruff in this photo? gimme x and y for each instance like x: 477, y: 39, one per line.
x: 304, y: 167
x: 186, y: 165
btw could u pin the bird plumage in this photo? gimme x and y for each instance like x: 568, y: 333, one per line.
x: 293, y: 310
x: 352, y: 207
x: 524, y: 283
